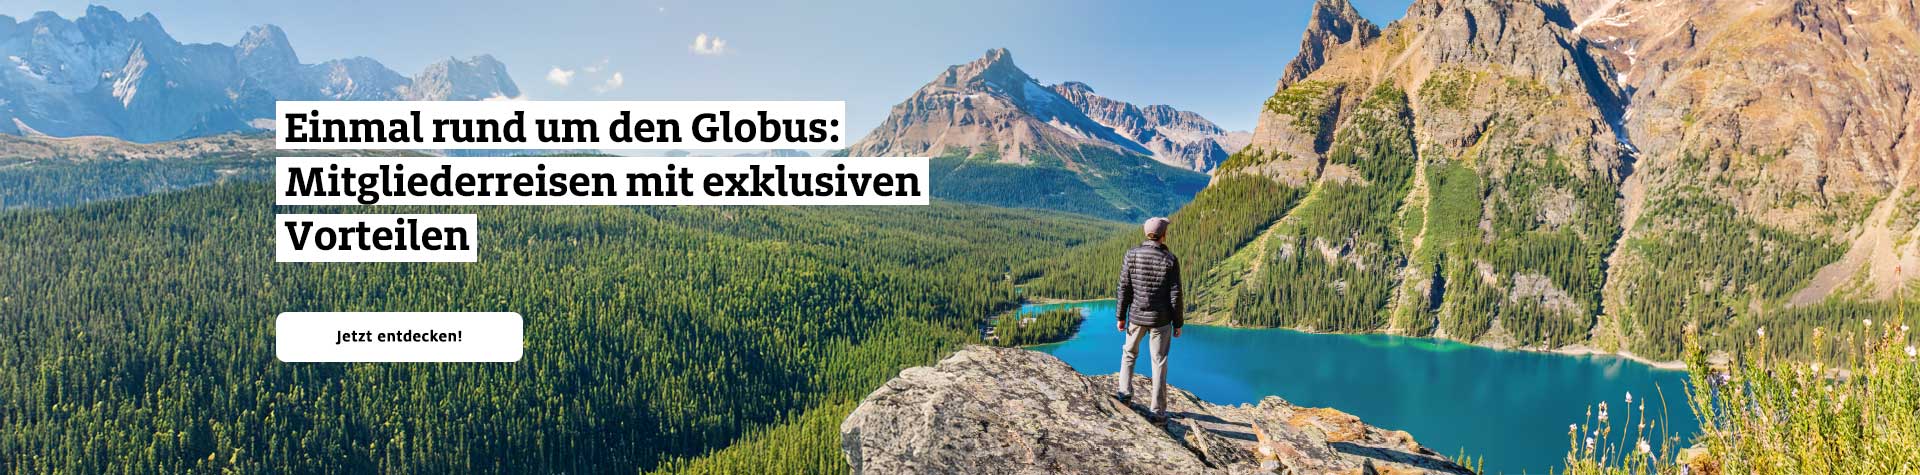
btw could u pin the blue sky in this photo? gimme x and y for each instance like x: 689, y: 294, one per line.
x: 1216, y: 58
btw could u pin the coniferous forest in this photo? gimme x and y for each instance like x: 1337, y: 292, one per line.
x: 138, y: 335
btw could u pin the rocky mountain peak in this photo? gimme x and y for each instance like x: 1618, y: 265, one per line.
x: 1073, y: 87
x: 993, y: 71
x: 1333, y: 23
x: 472, y: 79
x: 998, y: 410
x: 265, y: 44
x: 989, y: 103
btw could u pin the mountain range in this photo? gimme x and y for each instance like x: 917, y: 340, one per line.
x: 102, y: 74
x: 1001, y: 137
x: 991, y: 107
x: 1608, y: 174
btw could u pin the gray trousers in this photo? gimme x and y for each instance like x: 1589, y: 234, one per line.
x: 1162, y: 336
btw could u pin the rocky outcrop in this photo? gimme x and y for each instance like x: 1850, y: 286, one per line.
x: 993, y: 410
x: 1333, y: 23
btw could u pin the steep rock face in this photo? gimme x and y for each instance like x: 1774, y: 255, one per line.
x: 1790, y: 125
x: 101, y: 74
x: 1460, y: 170
x: 1333, y: 24
x: 999, y: 137
x: 1176, y: 137
x: 997, y: 410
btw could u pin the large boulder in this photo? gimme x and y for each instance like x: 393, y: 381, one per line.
x: 996, y: 410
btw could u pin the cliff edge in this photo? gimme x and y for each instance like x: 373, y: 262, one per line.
x: 998, y: 410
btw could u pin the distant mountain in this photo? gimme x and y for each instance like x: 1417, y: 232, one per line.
x: 101, y: 74
x: 1002, y: 138
x: 1176, y: 137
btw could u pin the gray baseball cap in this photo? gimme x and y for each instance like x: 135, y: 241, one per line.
x: 1156, y: 226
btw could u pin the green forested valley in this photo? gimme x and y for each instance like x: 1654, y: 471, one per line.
x: 1109, y: 184
x: 137, y: 335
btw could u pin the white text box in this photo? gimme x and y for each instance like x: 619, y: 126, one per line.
x: 376, y: 238
x: 560, y: 125
x: 621, y: 181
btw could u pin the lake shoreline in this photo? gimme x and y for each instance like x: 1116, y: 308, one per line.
x: 1580, y: 349
x: 1456, y: 396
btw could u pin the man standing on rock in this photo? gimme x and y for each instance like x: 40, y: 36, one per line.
x: 1149, y: 304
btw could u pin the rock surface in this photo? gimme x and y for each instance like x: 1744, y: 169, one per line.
x: 997, y: 410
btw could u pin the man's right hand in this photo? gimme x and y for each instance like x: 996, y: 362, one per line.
x: 1120, y: 325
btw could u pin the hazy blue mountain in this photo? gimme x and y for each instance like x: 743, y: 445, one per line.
x: 102, y: 74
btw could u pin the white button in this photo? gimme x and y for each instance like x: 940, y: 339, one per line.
x: 380, y: 337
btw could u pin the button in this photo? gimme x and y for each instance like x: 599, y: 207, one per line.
x: 382, y: 337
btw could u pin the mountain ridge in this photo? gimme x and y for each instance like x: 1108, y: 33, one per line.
x: 999, y: 137
x: 101, y: 74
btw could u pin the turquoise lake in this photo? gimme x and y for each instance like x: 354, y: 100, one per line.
x: 1511, y: 408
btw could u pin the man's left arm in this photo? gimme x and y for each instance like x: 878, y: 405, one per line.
x: 1179, y: 303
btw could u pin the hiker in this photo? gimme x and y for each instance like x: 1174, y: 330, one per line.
x: 1149, y: 304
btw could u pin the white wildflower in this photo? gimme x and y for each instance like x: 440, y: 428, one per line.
x: 1603, y: 410
x: 1910, y: 352
x: 1629, y: 397
x: 1866, y: 322
x: 1571, y: 428
x: 1589, y: 443
x: 1762, y: 331
x: 1645, y: 447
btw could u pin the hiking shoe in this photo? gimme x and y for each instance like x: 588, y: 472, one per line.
x: 1123, y: 397
x: 1158, y: 419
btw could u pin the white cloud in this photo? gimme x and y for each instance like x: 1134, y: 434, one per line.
x: 613, y: 82
x: 709, y: 45
x: 596, y: 67
x: 560, y: 77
